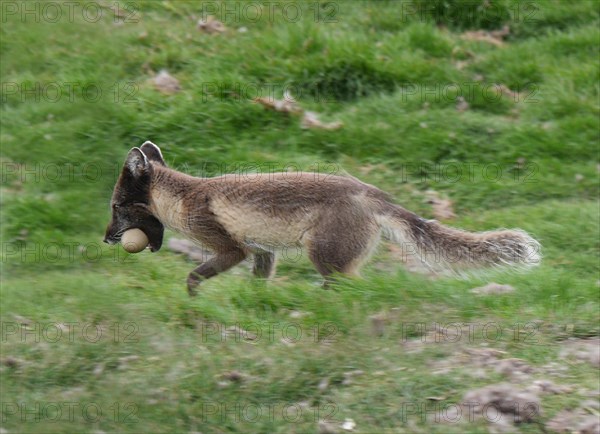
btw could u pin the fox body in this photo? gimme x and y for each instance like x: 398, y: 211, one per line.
x: 338, y: 220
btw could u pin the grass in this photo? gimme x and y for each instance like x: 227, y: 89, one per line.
x: 163, y: 361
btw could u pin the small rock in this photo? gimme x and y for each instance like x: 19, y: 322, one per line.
x: 574, y: 422
x: 494, y: 37
x: 378, y: 322
x: 436, y: 398
x: 461, y: 104
x: 547, y: 386
x: 297, y: 314
x: 286, y: 105
x: 326, y: 427
x: 348, y: 425
x: 591, y: 404
x: 98, y: 369
x: 485, y: 356
x: 236, y: 332
x: 304, y: 405
x: 210, y: 25
x: 287, y: 341
x: 11, y: 362
x: 589, y: 425
x: 166, y: 83
x: 124, y: 361
x: 461, y: 64
x: 223, y: 384
x: 349, y: 375
x: 73, y: 392
x: 562, y: 422
x: 323, y: 385
x: 311, y: 120
x: 234, y: 376
x: 513, y: 367
x: 493, y: 288
x: 18, y: 318
x: 587, y: 350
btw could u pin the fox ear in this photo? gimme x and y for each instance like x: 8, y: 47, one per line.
x: 136, y: 162
x: 153, y: 153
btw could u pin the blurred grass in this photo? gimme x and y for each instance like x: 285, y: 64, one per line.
x: 389, y: 70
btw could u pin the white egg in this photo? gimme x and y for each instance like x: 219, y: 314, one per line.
x: 134, y: 240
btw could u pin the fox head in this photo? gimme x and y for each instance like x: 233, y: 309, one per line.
x: 130, y: 201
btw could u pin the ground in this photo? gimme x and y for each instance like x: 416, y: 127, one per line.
x: 503, y: 125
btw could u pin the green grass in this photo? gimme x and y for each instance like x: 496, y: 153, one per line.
x: 391, y: 74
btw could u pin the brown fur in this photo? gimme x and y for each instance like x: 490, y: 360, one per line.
x: 338, y: 220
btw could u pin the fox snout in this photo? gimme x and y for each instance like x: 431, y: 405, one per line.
x: 111, y: 236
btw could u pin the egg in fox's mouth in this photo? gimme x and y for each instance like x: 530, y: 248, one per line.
x: 112, y: 241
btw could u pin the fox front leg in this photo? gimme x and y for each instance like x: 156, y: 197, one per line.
x: 223, y: 261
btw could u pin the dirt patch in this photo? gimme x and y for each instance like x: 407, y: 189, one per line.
x: 547, y: 386
x: 583, y: 420
x: 481, y: 361
x: 494, y: 37
x: 516, y: 369
x: 289, y: 105
x: 286, y: 105
x: 503, y: 404
x: 585, y: 350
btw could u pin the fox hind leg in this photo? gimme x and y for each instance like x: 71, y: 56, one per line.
x: 264, y: 264
x: 342, y: 251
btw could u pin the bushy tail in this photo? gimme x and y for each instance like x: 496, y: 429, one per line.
x: 439, y: 248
